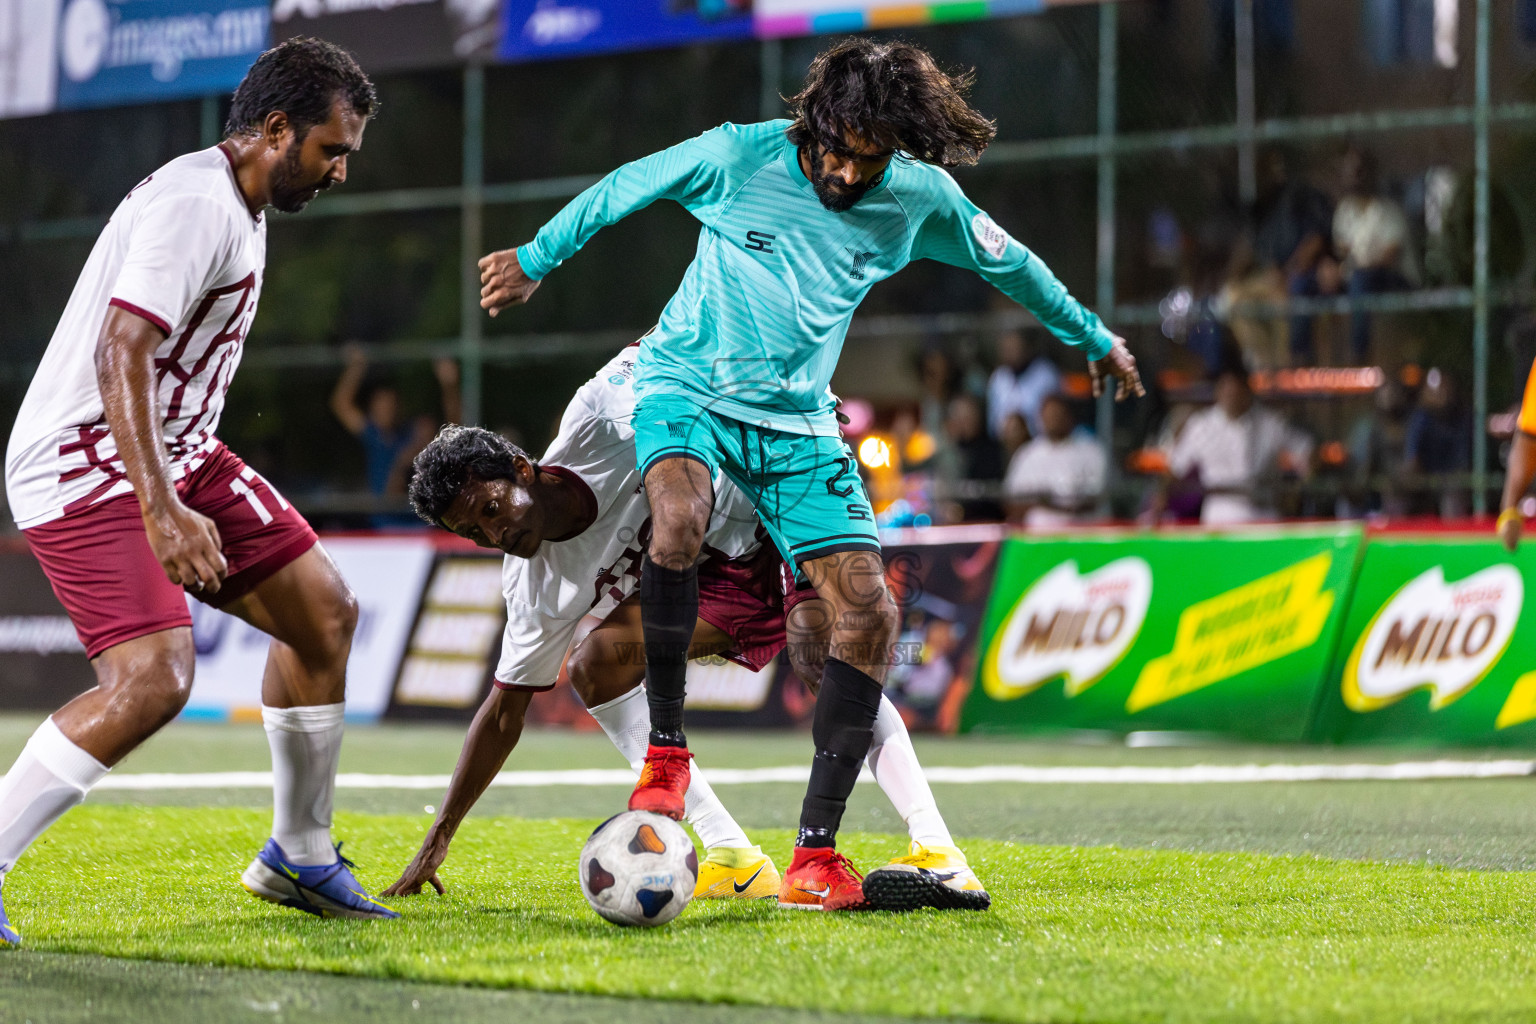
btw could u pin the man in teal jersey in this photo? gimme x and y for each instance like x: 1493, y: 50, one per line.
x: 800, y: 219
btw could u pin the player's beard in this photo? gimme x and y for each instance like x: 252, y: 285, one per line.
x: 834, y: 195
x: 289, y: 194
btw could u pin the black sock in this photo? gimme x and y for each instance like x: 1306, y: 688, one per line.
x: 842, y: 729
x: 669, y: 608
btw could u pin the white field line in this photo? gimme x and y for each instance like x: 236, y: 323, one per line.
x: 1023, y: 774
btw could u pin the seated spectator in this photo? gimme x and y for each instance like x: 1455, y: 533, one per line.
x: 1370, y: 236
x: 1014, y: 435
x: 970, y: 456
x: 1439, y: 441
x: 1056, y: 479
x: 938, y: 381
x: 389, y: 443
x: 1376, y: 444
x: 1288, y: 241
x: 1022, y: 380
x: 1237, y: 450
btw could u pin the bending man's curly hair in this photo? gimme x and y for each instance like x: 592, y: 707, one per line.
x: 454, y: 457
x: 894, y: 96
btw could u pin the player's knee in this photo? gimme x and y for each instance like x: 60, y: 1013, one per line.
x: 677, y: 530
x: 155, y: 684
x: 582, y: 668
x: 867, y: 629
x: 600, y: 674
x: 873, y: 618
x: 337, y: 623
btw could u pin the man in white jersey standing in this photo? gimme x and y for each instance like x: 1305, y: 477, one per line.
x: 574, y: 526
x: 130, y: 501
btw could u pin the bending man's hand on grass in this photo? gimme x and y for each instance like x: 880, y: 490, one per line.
x: 423, y: 867
x: 502, y: 281
x: 492, y: 735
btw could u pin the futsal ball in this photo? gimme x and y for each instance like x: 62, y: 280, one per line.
x: 639, y: 868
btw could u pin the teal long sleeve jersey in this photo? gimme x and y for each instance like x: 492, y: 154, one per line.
x: 755, y: 329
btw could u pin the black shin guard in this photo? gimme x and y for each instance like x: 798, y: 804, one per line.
x: 842, y: 729
x: 669, y: 608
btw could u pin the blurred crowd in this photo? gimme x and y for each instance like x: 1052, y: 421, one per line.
x: 1284, y: 398
x: 1017, y: 443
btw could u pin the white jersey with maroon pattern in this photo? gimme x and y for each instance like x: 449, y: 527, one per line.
x: 592, y: 571
x: 182, y: 251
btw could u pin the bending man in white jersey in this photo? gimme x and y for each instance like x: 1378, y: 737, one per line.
x: 130, y: 501
x: 574, y: 527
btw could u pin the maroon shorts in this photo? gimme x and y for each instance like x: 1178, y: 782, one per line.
x: 108, y: 579
x: 743, y: 599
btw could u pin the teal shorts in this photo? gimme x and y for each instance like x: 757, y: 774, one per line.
x: 806, y: 487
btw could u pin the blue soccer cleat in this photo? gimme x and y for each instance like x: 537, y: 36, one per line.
x: 8, y: 935
x: 327, y: 890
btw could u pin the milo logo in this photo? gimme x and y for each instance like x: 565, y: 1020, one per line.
x: 1069, y: 625
x: 1434, y: 635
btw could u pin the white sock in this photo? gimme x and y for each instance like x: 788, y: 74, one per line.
x: 306, y: 747
x: 627, y: 721
x: 894, y: 765
x: 50, y: 776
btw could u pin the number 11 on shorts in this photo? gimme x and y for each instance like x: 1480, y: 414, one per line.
x: 241, y: 485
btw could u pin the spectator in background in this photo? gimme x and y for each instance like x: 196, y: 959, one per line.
x: 1237, y: 449
x: 1291, y: 235
x: 1439, y: 441
x: 1377, y: 442
x: 1058, y: 478
x: 1370, y: 237
x: 389, y: 442
x: 969, y: 456
x: 1014, y: 435
x: 938, y: 381
x: 1022, y: 380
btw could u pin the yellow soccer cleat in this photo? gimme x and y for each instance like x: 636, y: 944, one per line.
x: 928, y: 876
x: 737, y: 873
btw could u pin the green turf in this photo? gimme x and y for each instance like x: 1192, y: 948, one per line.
x: 1075, y: 935
x: 1458, y: 823
x: 61, y: 988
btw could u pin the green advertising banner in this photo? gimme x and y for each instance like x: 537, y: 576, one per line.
x: 1229, y: 633
x: 1439, y: 646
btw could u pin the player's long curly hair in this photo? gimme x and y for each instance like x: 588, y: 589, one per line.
x: 893, y: 95
x: 453, y: 457
x: 303, y: 78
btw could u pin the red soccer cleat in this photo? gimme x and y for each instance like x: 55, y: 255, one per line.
x: 663, y: 781
x: 820, y: 878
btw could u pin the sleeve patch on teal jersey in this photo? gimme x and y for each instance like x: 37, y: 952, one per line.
x: 992, y: 238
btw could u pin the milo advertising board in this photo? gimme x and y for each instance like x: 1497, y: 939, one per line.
x: 1223, y: 633
x: 1439, y: 645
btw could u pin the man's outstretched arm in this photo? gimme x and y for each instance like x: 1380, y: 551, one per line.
x: 495, y: 731
x: 959, y: 233
x: 691, y: 173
